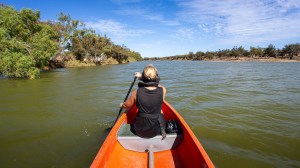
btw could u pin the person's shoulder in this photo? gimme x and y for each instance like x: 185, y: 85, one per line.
x: 161, y: 86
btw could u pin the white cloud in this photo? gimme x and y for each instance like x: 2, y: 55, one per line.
x: 148, y: 15
x: 185, y: 33
x: 117, y: 30
x: 235, y: 21
x: 285, y: 5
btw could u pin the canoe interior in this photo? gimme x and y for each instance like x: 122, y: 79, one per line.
x: 132, y: 142
x: 188, y: 153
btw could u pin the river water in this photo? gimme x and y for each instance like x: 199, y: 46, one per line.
x: 245, y: 114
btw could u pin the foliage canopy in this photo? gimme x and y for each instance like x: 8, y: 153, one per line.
x: 28, y: 44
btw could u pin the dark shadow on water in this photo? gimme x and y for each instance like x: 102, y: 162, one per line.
x: 106, y: 131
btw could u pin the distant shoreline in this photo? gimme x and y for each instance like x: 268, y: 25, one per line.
x: 230, y: 59
x: 245, y: 59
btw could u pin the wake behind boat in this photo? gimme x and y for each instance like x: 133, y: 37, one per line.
x: 124, y: 149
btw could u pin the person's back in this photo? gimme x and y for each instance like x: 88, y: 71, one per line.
x: 148, y: 98
x: 149, y: 103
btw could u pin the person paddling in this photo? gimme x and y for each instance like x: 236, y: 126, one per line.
x: 148, y: 98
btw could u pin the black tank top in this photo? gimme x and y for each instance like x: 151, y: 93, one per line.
x: 149, y: 104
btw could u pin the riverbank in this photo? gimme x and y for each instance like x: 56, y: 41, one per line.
x: 77, y: 63
x: 72, y: 63
x: 229, y: 59
x: 258, y: 59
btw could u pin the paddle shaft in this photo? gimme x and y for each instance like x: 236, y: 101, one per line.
x: 125, y: 99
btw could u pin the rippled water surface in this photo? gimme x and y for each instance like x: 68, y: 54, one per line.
x: 244, y: 114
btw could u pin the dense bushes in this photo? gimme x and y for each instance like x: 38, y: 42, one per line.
x: 17, y: 65
x: 28, y: 44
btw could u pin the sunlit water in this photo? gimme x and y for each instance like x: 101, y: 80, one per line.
x: 244, y: 114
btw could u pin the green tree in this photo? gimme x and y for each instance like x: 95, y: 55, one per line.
x: 199, y: 55
x: 256, y: 51
x: 291, y: 50
x: 66, y: 26
x: 270, y: 51
x: 17, y: 65
x: 29, y: 22
x: 83, y: 44
x: 43, y: 45
x: 190, y: 56
x: 137, y: 56
x: 86, y: 44
x: 26, y: 43
x: 235, y: 52
x: 241, y: 51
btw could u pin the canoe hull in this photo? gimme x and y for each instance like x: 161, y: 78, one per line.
x: 189, y: 153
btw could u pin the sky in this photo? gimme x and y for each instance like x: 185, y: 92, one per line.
x: 157, y: 28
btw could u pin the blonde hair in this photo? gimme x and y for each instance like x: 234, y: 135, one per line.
x: 150, y: 72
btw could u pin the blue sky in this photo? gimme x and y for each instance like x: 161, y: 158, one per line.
x: 156, y: 28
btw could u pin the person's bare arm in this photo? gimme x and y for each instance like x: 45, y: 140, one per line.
x: 129, y: 102
x: 164, y: 91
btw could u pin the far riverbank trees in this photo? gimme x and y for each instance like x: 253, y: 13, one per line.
x: 289, y: 51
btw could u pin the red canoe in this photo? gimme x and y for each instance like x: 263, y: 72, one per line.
x: 123, y: 149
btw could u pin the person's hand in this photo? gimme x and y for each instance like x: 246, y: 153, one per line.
x: 138, y: 74
x: 121, y: 105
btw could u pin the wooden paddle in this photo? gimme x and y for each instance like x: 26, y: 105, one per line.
x: 125, y: 100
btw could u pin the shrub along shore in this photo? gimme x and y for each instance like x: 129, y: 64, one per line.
x: 290, y: 53
x: 29, y: 44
